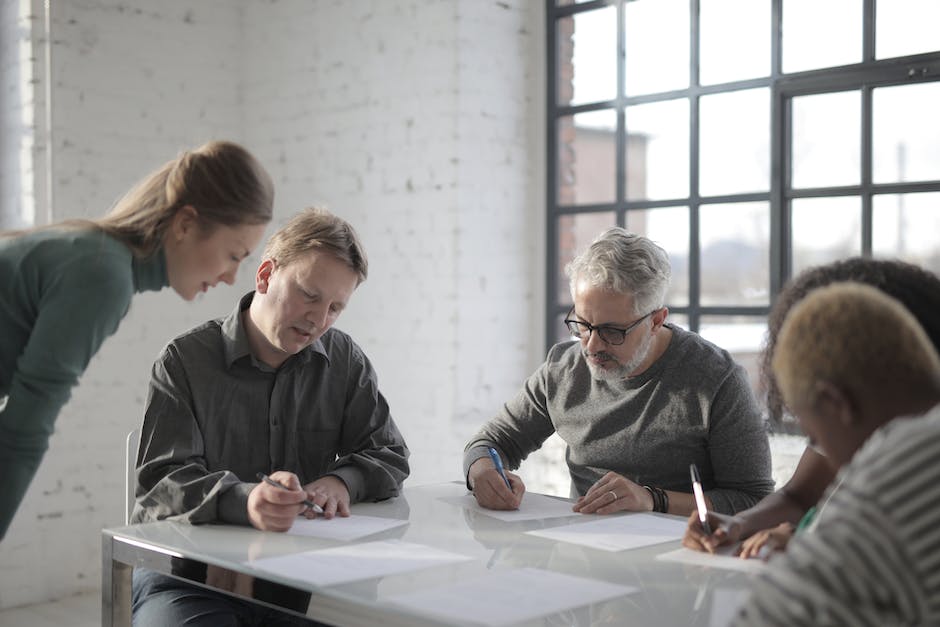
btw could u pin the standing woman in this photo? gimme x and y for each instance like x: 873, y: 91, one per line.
x: 64, y: 288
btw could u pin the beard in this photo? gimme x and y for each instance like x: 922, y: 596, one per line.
x: 621, y: 370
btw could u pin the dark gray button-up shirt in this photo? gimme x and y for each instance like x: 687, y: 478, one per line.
x: 216, y: 417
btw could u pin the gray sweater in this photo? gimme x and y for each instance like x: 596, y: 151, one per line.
x: 693, y: 405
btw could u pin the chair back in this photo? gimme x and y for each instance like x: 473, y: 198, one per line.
x: 130, y: 479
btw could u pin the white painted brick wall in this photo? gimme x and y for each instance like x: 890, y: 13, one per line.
x: 16, y: 67
x: 131, y: 87
x: 420, y: 122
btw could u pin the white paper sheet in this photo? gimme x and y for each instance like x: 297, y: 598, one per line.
x: 720, y: 560
x: 534, y: 506
x: 353, y: 562
x: 340, y: 528
x: 616, y: 533
x: 510, y: 596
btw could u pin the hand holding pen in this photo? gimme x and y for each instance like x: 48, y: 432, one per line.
x: 700, y: 505
x: 499, y: 466
x: 701, y: 534
x: 310, y: 504
x: 492, y: 486
x: 273, y: 504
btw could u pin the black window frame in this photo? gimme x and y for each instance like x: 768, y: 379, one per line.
x: 865, y: 76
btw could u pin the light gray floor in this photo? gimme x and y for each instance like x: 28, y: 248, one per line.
x: 83, y: 610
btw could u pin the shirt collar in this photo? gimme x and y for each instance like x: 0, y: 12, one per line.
x: 150, y: 273
x: 235, y: 338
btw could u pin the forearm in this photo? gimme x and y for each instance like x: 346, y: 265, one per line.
x: 24, y: 439
x: 789, y: 504
x: 516, y: 432
x: 769, y: 512
x: 374, y: 475
x: 190, y: 494
x: 730, y: 500
x: 474, y: 452
x: 17, y: 471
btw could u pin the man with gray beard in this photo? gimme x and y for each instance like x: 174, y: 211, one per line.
x: 636, y: 400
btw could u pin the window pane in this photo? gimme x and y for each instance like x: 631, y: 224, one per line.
x: 742, y: 336
x: 907, y: 226
x: 745, y: 22
x: 905, y: 27
x: 657, y: 46
x: 735, y: 241
x: 821, y: 34
x: 824, y: 230
x: 559, y: 330
x: 827, y: 139
x: 575, y: 233
x: 679, y: 320
x: 735, y: 142
x: 905, y: 133
x: 668, y: 227
x: 586, y: 158
x: 658, y: 150
x: 587, y: 57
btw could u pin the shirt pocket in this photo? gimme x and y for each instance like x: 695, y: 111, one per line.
x: 316, y: 451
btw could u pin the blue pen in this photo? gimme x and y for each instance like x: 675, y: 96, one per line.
x: 499, y: 466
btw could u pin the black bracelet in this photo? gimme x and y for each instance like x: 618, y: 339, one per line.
x: 660, y: 499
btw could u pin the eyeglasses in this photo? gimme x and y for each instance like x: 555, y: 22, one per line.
x: 610, y: 335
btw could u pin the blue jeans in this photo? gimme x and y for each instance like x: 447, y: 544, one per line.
x: 159, y: 600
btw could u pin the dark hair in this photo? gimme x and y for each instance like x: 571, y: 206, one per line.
x: 916, y: 288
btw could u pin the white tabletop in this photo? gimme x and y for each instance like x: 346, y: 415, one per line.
x: 669, y: 593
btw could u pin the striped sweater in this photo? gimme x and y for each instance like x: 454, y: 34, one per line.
x: 873, y: 557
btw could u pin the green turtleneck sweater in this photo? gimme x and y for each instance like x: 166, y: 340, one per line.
x: 62, y: 292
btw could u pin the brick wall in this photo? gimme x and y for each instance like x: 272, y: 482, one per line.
x: 420, y: 122
x: 16, y: 130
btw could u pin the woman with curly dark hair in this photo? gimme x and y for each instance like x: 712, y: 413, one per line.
x: 767, y: 526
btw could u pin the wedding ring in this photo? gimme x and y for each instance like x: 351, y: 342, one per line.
x: 613, y: 494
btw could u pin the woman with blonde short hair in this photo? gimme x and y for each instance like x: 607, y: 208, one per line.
x: 863, y: 379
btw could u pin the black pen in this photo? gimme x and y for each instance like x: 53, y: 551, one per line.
x: 306, y: 502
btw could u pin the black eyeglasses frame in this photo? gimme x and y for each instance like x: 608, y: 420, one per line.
x: 578, y: 328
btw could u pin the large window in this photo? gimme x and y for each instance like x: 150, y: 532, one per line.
x: 751, y: 139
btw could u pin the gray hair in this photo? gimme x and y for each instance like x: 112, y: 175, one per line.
x: 626, y: 263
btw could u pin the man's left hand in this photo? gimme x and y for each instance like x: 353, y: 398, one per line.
x: 614, y: 493
x: 331, y: 494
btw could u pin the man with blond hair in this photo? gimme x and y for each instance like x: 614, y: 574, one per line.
x: 863, y: 379
x: 272, y: 388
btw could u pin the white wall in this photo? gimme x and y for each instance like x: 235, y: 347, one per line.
x: 420, y: 122
x: 15, y: 72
